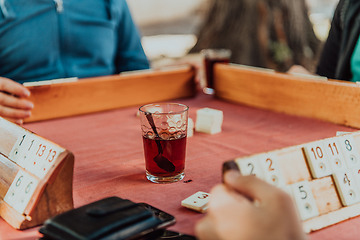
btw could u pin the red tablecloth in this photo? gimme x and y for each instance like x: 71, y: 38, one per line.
x: 109, y: 157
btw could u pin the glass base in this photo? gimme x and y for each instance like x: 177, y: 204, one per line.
x: 209, y: 91
x: 162, y: 179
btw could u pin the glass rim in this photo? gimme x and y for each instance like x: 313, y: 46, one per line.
x: 221, y: 51
x: 163, y: 104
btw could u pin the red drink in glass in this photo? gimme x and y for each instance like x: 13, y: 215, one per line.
x: 164, y: 131
x: 173, y: 150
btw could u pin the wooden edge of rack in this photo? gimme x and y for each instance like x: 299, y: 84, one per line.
x: 110, y: 92
x: 57, y: 196
x: 331, y: 218
x: 329, y: 100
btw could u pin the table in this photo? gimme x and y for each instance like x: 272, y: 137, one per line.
x: 109, y: 157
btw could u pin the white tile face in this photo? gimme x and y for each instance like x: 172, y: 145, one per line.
x: 42, y: 157
x: 250, y: 166
x: 25, y: 195
x: 347, y: 188
x: 33, y: 161
x: 339, y: 133
x: 47, y: 158
x: 334, y: 153
x: 28, y: 146
x: 350, y: 151
x: 16, y: 187
x: 304, y: 200
x: 272, y: 172
x: 18, y: 146
x: 21, y: 190
x: 317, y: 159
x: 356, y: 173
x: 197, y: 201
x: 22, y: 147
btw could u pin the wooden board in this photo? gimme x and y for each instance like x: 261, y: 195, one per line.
x: 55, y: 100
x: 330, y: 100
x: 294, y: 168
x: 51, y: 190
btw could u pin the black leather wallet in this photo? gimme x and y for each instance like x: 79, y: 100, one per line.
x: 109, y: 218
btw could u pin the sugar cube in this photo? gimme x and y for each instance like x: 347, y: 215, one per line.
x: 208, y: 120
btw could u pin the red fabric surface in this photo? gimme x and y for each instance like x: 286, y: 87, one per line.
x: 109, y: 157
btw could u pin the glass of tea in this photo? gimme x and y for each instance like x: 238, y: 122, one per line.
x: 212, y: 56
x: 164, y: 132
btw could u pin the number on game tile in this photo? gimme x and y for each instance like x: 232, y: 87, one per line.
x: 317, y: 159
x: 21, y: 148
x: 25, y: 195
x: 335, y: 154
x: 346, y: 186
x: 42, y: 157
x: 350, y: 151
x: 304, y: 200
x: 197, y: 201
x: 21, y: 191
x: 15, y: 188
x: 250, y: 166
x: 271, y: 169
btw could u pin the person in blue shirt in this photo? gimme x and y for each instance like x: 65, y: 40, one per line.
x: 50, y: 39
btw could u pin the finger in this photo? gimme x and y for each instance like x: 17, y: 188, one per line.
x: 229, y: 165
x: 13, y: 87
x: 221, y: 196
x: 229, y: 211
x: 250, y: 186
x: 14, y: 113
x: 204, y: 230
x: 15, y: 102
x: 17, y: 121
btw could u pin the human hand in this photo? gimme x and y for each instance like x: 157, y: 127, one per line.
x: 246, y: 207
x: 13, y: 105
x: 299, y: 70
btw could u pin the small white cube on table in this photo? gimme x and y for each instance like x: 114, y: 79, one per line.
x: 208, y: 120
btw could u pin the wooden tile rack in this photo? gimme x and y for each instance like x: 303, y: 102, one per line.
x: 35, y: 177
x: 55, y: 99
x: 329, y: 100
x: 294, y: 167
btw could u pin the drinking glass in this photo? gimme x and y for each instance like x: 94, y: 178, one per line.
x: 164, y: 132
x: 212, y: 56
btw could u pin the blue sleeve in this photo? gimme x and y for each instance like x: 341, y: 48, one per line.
x: 130, y: 54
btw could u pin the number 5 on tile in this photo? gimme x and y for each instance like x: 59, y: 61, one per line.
x: 304, y: 200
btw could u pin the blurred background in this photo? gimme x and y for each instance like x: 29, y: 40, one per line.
x: 175, y: 31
